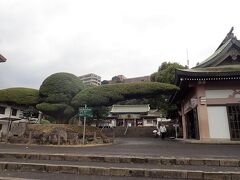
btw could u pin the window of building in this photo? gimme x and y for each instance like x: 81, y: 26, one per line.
x: 234, y: 121
x: 14, y: 112
x: 2, y: 110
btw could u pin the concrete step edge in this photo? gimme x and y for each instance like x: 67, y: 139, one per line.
x: 129, y: 172
x: 127, y: 159
x: 13, y: 178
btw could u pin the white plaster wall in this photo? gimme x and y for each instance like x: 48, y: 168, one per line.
x: 218, y: 122
x: 8, y: 111
x: 19, y: 113
x: 218, y: 93
x: 145, y: 123
x: 113, y: 123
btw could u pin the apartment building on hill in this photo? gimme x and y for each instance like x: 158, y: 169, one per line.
x: 91, y: 79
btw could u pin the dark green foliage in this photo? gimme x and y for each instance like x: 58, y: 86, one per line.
x: 60, y: 111
x: 30, y: 112
x: 104, y: 82
x: 112, y: 93
x: 56, y: 93
x: 47, y: 107
x: 166, y: 72
x: 134, y: 101
x: 19, y: 96
x: 60, y: 87
x: 100, y: 112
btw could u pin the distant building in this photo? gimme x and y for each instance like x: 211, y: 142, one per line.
x: 123, y: 79
x: 2, y: 59
x: 91, y: 79
x: 133, y: 115
x: 137, y: 79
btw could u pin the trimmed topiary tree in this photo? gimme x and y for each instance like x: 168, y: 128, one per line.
x: 56, y: 93
x: 19, y: 96
x: 109, y: 94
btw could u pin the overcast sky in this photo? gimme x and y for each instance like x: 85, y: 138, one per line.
x: 107, y: 37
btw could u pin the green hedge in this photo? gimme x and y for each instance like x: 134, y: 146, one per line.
x: 19, y: 96
x: 60, y: 88
x: 109, y: 94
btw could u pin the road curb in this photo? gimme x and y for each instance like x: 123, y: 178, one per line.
x: 122, y: 172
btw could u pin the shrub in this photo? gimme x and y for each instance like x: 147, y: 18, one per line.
x: 19, y: 96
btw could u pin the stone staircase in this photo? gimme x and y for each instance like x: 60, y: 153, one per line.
x: 123, y: 166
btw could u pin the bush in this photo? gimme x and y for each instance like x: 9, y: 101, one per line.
x: 60, y: 88
x: 19, y: 96
x: 56, y: 93
x: 109, y: 94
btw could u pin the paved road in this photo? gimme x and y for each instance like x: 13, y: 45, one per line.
x: 138, y: 147
x: 9, y: 175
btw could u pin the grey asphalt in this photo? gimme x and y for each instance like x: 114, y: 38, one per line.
x: 138, y: 147
x: 10, y: 175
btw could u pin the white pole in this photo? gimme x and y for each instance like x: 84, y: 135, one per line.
x: 84, y: 125
x: 176, y: 133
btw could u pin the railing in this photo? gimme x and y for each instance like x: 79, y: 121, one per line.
x: 126, y: 131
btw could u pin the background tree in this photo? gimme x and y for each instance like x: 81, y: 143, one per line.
x: 56, y: 93
x: 166, y: 74
x: 30, y: 112
x: 100, y: 113
x: 104, y: 82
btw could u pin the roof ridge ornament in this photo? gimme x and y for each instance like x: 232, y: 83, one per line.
x: 2, y: 58
x: 230, y: 35
x: 231, y: 31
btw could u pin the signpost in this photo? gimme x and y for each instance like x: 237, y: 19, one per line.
x: 85, y: 113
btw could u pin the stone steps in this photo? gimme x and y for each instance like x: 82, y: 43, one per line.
x: 223, y: 162
x: 151, y: 167
x: 114, y: 171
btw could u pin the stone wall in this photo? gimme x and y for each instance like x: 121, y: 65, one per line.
x: 131, y: 132
x: 135, y: 132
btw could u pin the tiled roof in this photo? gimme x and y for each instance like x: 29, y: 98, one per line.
x: 130, y: 108
x: 154, y: 113
x: 2, y: 59
x: 225, y: 68
x: 215, y: 54
x: 229, y: 41
x: 210, y: 73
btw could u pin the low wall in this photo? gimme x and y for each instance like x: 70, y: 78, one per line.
x: 131, y: 132
x: 135, y: 131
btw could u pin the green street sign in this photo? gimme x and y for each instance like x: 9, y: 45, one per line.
x: 85, y: 112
